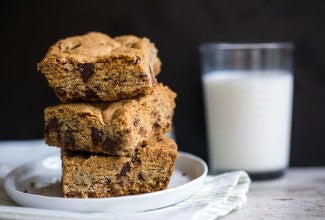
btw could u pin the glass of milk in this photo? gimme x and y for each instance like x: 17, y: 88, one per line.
x: 248, y: 90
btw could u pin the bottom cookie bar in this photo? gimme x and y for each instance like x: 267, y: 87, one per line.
x: 149, y: 169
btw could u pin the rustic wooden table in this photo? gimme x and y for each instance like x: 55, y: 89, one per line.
x: 300, y: 194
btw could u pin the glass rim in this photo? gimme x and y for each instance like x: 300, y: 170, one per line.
x: 245, y: 46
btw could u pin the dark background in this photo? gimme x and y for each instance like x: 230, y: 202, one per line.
x: 28, y: 28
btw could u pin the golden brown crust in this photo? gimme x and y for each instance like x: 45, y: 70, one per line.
x: 96, y: 67
x: 115, y: 128
x: 148, y: 169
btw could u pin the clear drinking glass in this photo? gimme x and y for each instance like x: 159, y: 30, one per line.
x: 248, y: 91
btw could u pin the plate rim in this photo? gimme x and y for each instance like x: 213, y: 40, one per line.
x: 9, y: 185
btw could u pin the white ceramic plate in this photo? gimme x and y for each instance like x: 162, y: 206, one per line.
x: 37, y: 185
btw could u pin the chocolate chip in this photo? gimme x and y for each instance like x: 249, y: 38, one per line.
x: 87, y: 71
x: 156, y: 125
x: 69, y: 141
x: 52, y: 125
x: 61, y: 92
x: 91, y: 94
x: 125, y: 169
x: 110, y: 145
x: 140, y: 177
x: 96, y: 136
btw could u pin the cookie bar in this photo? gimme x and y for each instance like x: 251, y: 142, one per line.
x: 148, y: 169
x: 115, y: 128
x: 96, y: 67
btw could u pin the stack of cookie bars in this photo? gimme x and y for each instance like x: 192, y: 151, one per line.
x: 114, y: 114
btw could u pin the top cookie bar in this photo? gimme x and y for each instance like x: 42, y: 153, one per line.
x: 96, y: 67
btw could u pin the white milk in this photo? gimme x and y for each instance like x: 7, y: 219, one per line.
x: 249, y: 119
